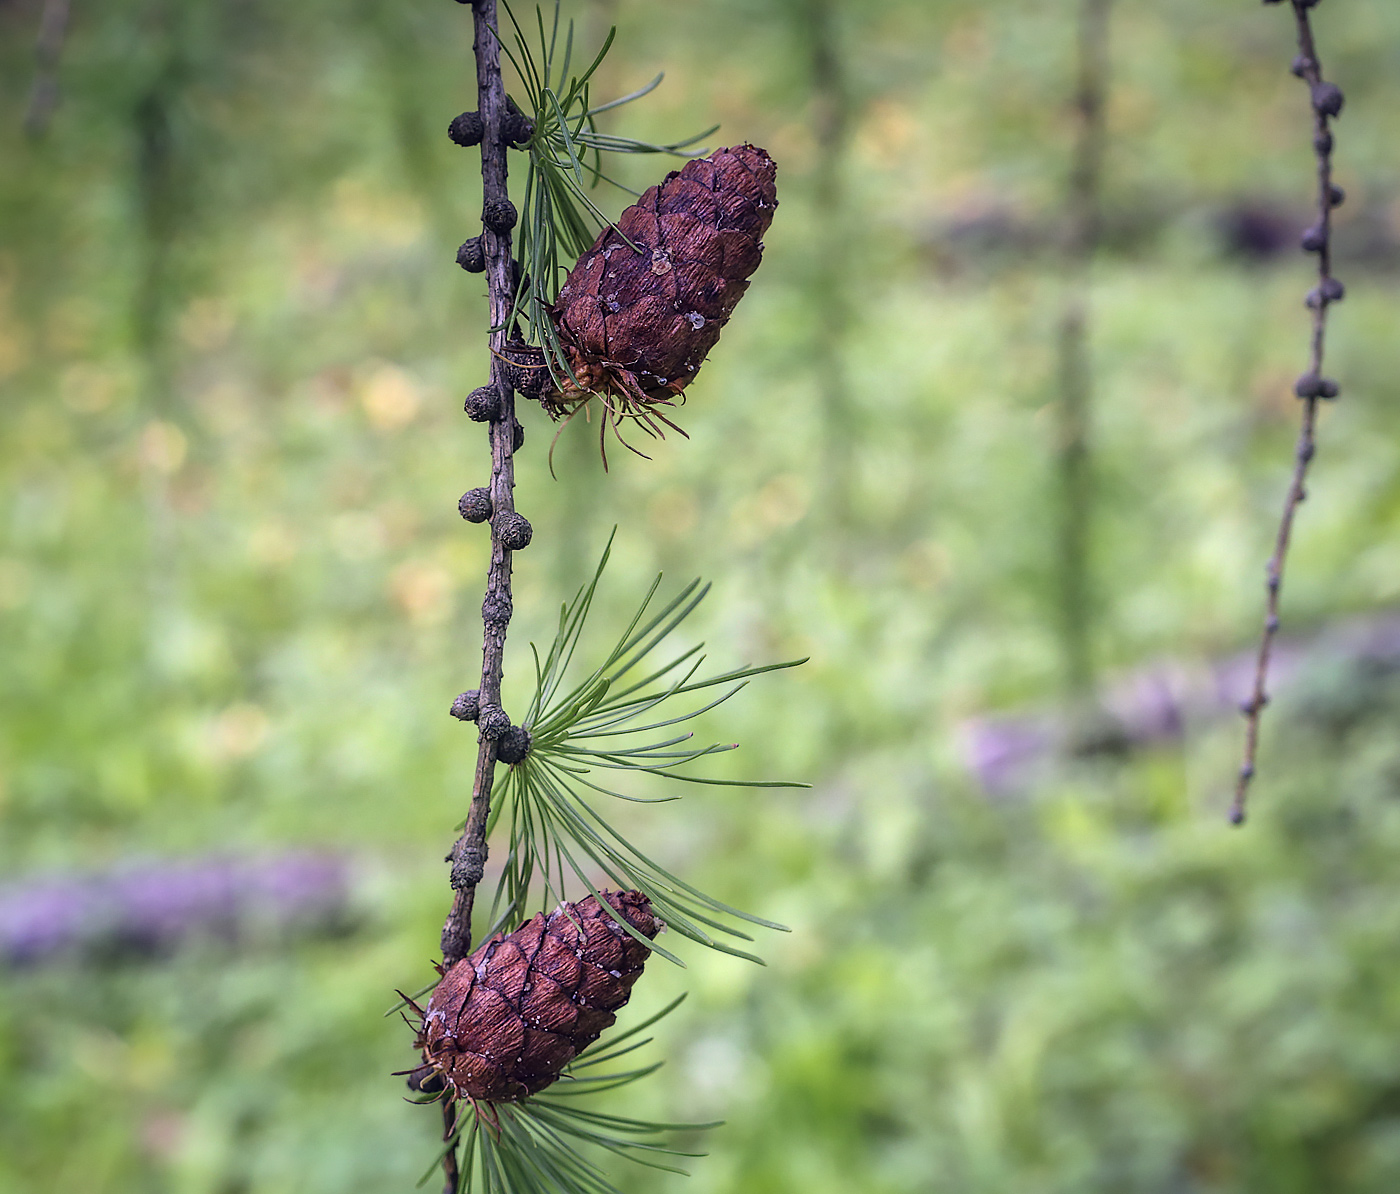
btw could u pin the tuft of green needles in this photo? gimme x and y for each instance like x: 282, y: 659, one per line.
x: 624, y: 717
x: 559, y: 218
x: 541, y: 1144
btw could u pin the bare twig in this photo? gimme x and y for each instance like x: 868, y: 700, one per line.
x: 468, y: 856
x: 1075, y: 384
x: 1311, y: 387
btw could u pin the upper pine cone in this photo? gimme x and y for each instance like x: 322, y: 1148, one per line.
x: 639, y: 324
x: 504, y: 1021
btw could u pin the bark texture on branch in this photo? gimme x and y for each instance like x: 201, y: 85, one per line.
x: 468, y: 855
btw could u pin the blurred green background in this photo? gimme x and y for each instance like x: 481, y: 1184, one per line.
x: 236, y: 598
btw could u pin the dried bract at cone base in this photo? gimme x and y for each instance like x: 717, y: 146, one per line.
x: 642, y: 308
x: 506, y: 1020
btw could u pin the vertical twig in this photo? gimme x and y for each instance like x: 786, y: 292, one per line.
x: 468, y: 855
x: 1076, y: 594
x: 1311, y: 387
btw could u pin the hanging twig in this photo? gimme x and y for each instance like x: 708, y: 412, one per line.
x: 525, y: 1144
x: 1312, y: 386
x: 468, y: 856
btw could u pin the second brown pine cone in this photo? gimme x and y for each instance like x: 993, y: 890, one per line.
x: 506, y: 1020
x: 638, y: 324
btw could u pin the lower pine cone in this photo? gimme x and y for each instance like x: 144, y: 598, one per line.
x: 506, y: 1020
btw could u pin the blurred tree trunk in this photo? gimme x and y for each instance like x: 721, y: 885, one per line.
x: 163, y: 167
x: 159, y: 202
x: 831, y: 125
x: 1074, y: 462
x: 48, y: 47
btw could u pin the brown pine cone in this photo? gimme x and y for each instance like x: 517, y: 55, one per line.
x: 504, y: 1021
x: 637, y: 325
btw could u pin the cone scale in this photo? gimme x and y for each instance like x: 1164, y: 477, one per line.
x: 505, y: 1020
x: 642, y: 308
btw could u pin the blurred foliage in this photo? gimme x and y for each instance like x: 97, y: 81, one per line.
x: 236, y: 599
